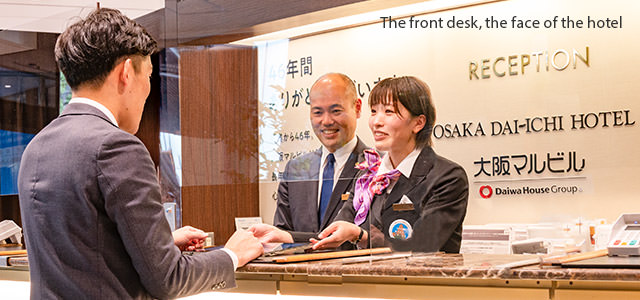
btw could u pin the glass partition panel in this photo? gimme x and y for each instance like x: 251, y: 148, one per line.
x: 209, y: 135
x: 170, y: 139
x: 518, y: 111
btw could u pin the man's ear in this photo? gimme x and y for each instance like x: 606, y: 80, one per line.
x: 119, y: 75
x: 358, y: 107
x: 127, y: 71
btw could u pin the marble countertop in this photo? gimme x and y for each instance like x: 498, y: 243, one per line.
x: 440, y: 265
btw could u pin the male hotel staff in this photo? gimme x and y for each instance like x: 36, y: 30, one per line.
x: 89, y: 196
x: 311, y: 191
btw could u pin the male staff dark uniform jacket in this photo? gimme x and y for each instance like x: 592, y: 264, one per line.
x: 96, y: 229
x: 438, y: 191
x: 297, y: 209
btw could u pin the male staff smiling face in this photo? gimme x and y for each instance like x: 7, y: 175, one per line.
x: 335, y: 110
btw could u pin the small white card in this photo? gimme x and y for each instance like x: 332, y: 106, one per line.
x: 245, y: 223
x: 209, y: 241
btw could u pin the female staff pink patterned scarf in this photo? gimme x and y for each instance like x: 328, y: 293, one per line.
x: 370, y: 184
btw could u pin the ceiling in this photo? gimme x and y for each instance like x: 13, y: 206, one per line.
x: 55, y: 15
x: 187, y: 19
x: 174, y: 22
x: 181, y: 22
x: 207, y: 22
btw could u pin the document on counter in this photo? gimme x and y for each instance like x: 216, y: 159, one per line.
x: 319, y: 255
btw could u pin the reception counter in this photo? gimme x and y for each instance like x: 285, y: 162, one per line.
x: 441, y: 276
x: 430, y: 276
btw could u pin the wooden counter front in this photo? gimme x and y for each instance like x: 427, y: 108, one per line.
x: 442, y: 276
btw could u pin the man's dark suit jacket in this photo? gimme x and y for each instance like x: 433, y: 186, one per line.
x: 94, y: 225
x: 297, y: 209
x: 438, y: 189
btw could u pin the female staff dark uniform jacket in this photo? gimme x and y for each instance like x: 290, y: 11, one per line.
x: 438, y: 191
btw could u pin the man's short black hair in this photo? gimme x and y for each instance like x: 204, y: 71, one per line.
x: 88, y: 50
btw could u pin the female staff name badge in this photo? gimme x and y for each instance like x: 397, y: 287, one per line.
x: 404, y: 204
x: 400, y: 229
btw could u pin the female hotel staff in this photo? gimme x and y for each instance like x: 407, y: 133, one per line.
x: 414, y: 199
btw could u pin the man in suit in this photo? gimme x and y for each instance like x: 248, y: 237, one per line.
x: 89, y: 197
x: 310, y: 194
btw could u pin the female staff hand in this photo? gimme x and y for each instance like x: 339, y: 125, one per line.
x: 336, y: 234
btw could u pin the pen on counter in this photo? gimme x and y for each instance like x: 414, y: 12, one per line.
x: 521, y: 263
x: 574, y: 257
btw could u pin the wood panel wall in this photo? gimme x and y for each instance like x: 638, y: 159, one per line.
x: 219, y: 127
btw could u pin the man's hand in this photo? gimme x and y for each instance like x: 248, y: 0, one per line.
x: 189, y: 239
x: 336, y: 234
x: 270, y: 234
x: 245, y: 246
